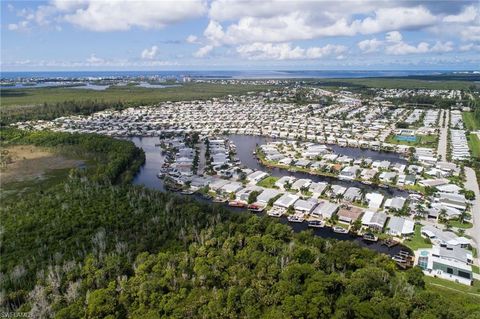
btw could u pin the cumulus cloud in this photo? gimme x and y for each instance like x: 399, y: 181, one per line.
x: 469, y: 14
x: 93, y: 59
x: 203, y: 51
x: 285, y: 51
x: 393, y: 36
x: 192, y: 39
x: 370, y: 45
x: 119, y: 15
x: 149, y: 53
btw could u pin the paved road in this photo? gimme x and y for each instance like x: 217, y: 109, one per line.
x: 442, y: 141
x: 471, y: 184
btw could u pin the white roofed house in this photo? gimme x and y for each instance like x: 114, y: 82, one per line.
x: 374, y: 200
x: 286, y: 200
x: 325, y: 210
x: 305, y: 206
x: 244, y: 194
x: 348, y: 173
x: 267, y: 195
x: 396, y: 203
x: 317, y: 188
x: 299, y: 183
x: 374, y: 220
x: 352, y: 194
x: 256, y: 177
x: 285, y: 180
x: 232, y: 187
x: 457, y: 201
x: 399, y: 226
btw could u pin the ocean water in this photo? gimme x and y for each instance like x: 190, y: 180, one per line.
x: 249, y: 74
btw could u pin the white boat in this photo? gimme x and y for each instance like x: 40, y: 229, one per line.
x: 340, y: 230
x: 296, y: 219
x: 316, y: 223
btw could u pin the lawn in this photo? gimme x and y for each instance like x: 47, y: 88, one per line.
x: 268, y: 182
x: 474, y: 144
x: 458, y: 224
x: 434, y: 283
x: 417, y: 241
x: 470, y: 121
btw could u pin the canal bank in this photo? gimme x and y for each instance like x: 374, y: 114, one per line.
x: 147, y: 176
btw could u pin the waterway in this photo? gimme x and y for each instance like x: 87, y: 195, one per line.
x: 147, y: 176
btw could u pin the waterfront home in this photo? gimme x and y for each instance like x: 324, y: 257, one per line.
x: 286, y: 200
x: 244, y: 194
x: 317, y: 189
x: 348, y: 173
x: 433, y: 182
x: 449, y: 188
x: 349, y: 214
x: 284, y: 180
x: 256, y: 177
x: 231, y: 187
x: 301, y: 183
x: 218, y: 183
x: 305, y: 206
x: 399, y: 226
x: 381, y: 165
x: 267, y: 195
x: 325, y: 210
x: 368, y: 174
x: 387, y: 177
x: 374, y: 200
x: 395, y: 203
x: 352, y: 194
x: 375, y: 221
x: 337, y: 190
x: 451, y: 263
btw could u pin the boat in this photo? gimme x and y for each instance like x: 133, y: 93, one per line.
x: 187, y: 192
x: 316, y: 224
x: 370, y: 237
x: 236, y: 203
x: 219, y: 200
x: 340, y: 230
x: 255, y: 208
x: 296, y: 219
x: 275, y: 213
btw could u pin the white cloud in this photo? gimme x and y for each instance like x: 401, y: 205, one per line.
x: 442, y: 47
x: 192, y: 39
x: 93, y: 59
x: 150, y: 53
x: 13, y: 27
x: 393, y: 36
x: 402, y: 48
x: 470, y: 47
x: 370, y: 45
x: 203, y: 51
x: 119, y: 15
x: 469, y: 14
x: 471, y: 33
x: 285, y: 51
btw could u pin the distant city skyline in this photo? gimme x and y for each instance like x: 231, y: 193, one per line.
x: 239, y: 35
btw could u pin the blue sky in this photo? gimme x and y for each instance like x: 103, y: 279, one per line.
x: 223, y: 34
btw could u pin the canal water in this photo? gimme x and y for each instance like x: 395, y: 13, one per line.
x: 147, y: 176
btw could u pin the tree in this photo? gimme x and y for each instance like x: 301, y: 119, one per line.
x: 252, y: 197
x: 415, y: 276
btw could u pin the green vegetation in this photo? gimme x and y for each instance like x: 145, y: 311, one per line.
x: 474, y: 144
x: 268, y: 182
x: 464, y: 290
x: 459, y: 224
x: 50, y: 103
x: 92, y: 247
x: 471, y: 122
x: 417, y: 241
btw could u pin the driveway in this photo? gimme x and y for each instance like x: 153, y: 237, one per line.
x: 442, y: 140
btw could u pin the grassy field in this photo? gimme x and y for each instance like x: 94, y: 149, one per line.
x: 453, y: 287
x: 474, y: 144
x: 36, y: 96
x: 422, y: 141
x: 458, y: 224
x: 470, y: 121
x: 417, y: 241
